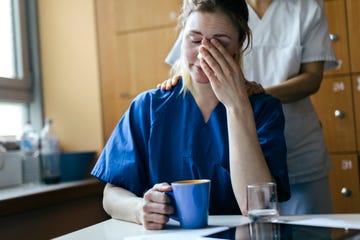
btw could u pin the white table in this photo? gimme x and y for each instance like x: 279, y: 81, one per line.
x: 116, y: 229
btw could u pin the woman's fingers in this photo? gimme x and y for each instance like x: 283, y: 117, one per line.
x: 175, y: 80
x: 156, y: 201
x: 223, y: 72
x: 156, y: 196
x: 162, y: 187
x: 156, y: 207
x: 208, y: 71
x: 157, y: 193
x: 227, y: 61
x: 218, y: 59
x: 212, y: 57
x: 154, y: 221
x: 169, y: 83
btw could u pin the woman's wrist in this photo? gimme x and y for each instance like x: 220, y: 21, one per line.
x: 139, y: 212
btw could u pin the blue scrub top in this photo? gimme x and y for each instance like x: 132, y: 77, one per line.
x: 162, y: 137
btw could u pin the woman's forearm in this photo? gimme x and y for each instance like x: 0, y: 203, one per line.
x: 247, y: 162
x: 122, y: 204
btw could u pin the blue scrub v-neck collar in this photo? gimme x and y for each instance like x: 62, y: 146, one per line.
x: 196, y: 106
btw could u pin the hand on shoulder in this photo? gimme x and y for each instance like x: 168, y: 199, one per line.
x: 252, y: 87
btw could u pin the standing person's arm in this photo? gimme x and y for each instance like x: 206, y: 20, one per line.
x: 303, y: 85
x: 316, y: 44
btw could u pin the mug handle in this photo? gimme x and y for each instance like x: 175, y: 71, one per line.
x: 173, y: 204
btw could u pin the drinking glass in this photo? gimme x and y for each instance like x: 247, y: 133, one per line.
x: 262, y: 204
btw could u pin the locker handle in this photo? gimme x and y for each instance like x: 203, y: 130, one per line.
x: 334, y: 37
x: 339, y: 114
x: 346, y: 192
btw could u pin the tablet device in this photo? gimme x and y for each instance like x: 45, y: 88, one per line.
x: 280, y: 231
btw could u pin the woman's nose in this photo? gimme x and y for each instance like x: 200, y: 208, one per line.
x: 199, y: 55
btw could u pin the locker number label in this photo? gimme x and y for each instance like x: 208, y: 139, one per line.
x: 338, y: 86
x: 346, y: 164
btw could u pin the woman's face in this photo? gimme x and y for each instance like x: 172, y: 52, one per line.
x: 200, y: 25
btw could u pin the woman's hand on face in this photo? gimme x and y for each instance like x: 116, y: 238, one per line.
x: 223, y: 72
x: 156, y: 207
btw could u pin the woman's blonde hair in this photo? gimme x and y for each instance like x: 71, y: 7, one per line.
x: 237, y: 12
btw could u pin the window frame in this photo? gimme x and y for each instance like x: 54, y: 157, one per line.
x: 19, y: 88
x: 29, y: 90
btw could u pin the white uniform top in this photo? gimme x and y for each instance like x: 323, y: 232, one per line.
x: 275, y: 57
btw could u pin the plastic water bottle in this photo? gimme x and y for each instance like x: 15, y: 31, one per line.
x: 50, y: 153
x: 29, y: 146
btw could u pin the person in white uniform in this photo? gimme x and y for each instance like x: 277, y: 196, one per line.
x: 290, y: 50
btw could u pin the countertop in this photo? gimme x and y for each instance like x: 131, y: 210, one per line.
x: 31, y: 196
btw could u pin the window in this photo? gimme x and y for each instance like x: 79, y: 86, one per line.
x: 7, y: 58
x: 19, y: 87
x: 14, y: 73
x: 11, y: 124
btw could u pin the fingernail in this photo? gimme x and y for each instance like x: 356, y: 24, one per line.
x: 205, y: 42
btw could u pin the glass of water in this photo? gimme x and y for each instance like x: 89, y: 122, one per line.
x: 262, y: 203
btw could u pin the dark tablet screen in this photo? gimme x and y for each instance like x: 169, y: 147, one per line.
x: 279, y: 231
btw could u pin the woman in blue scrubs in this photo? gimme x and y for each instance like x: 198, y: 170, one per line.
x: 288, y: 60
x: 205, y: 127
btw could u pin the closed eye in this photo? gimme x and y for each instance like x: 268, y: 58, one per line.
x: 196, y: 41
x: 195, y: 37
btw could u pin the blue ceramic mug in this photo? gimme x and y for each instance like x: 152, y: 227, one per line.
x: 190, y: 199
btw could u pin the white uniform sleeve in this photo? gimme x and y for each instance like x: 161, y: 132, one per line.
x: 315, y: 38
x: 174, y: 53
